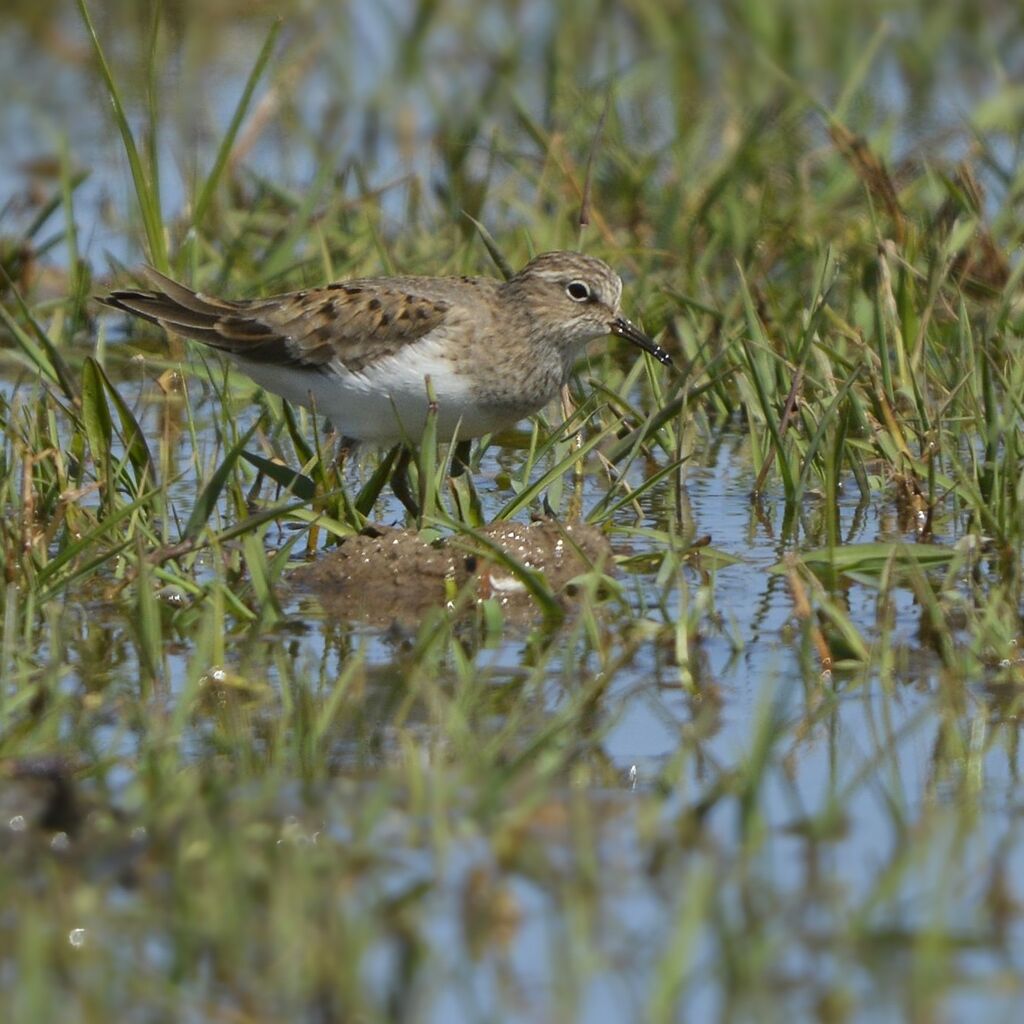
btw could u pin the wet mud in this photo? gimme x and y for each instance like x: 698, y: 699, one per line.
x: 394, y: 575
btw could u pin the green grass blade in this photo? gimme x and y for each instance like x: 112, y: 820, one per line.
x: 210, y: 495
x: 290, y: 479
x: 209, y: 188
x: 146, y: 192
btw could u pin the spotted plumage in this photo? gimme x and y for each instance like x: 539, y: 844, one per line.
x: 362, y: 350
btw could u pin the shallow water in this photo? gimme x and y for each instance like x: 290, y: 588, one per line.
x: 751, y: 664
x: 878, y: 760
x: 359, y: 100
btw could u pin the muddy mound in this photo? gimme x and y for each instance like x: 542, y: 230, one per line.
x: 390, y: 574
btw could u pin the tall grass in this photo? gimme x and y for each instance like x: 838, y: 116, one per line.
x: 759, y: 766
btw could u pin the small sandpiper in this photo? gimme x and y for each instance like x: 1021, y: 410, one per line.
x: 360, y: 351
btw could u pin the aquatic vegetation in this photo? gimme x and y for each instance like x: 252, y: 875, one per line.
x: 753, y: 755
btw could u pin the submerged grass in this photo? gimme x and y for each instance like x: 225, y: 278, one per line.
x: 221, y: 803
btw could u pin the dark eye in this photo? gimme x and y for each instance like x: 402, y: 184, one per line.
x: 578, y: 291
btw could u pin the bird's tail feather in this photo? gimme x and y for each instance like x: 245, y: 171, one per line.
x: 175, y: 308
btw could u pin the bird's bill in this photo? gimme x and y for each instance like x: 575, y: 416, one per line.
x: 623, y: 328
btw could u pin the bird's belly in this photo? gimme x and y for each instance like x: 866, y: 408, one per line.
x: 388, y: 402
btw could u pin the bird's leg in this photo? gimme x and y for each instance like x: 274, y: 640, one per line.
x: 569, y: 410
x: 400, y: 483
x: 343, y: 462
x: 346, y: 446
x: 460, y: 458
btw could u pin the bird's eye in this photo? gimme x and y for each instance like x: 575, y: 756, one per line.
x: 578, y: 291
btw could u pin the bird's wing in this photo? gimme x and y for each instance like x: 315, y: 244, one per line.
x: 353, y: 322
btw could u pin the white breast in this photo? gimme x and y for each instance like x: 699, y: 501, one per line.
x: 386, y: 402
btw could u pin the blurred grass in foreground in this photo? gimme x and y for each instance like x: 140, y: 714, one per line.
x: 205, y: 821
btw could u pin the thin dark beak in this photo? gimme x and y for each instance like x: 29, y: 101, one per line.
x: 625, y: 329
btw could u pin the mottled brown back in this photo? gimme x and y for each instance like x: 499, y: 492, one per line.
x: 354, y: 322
